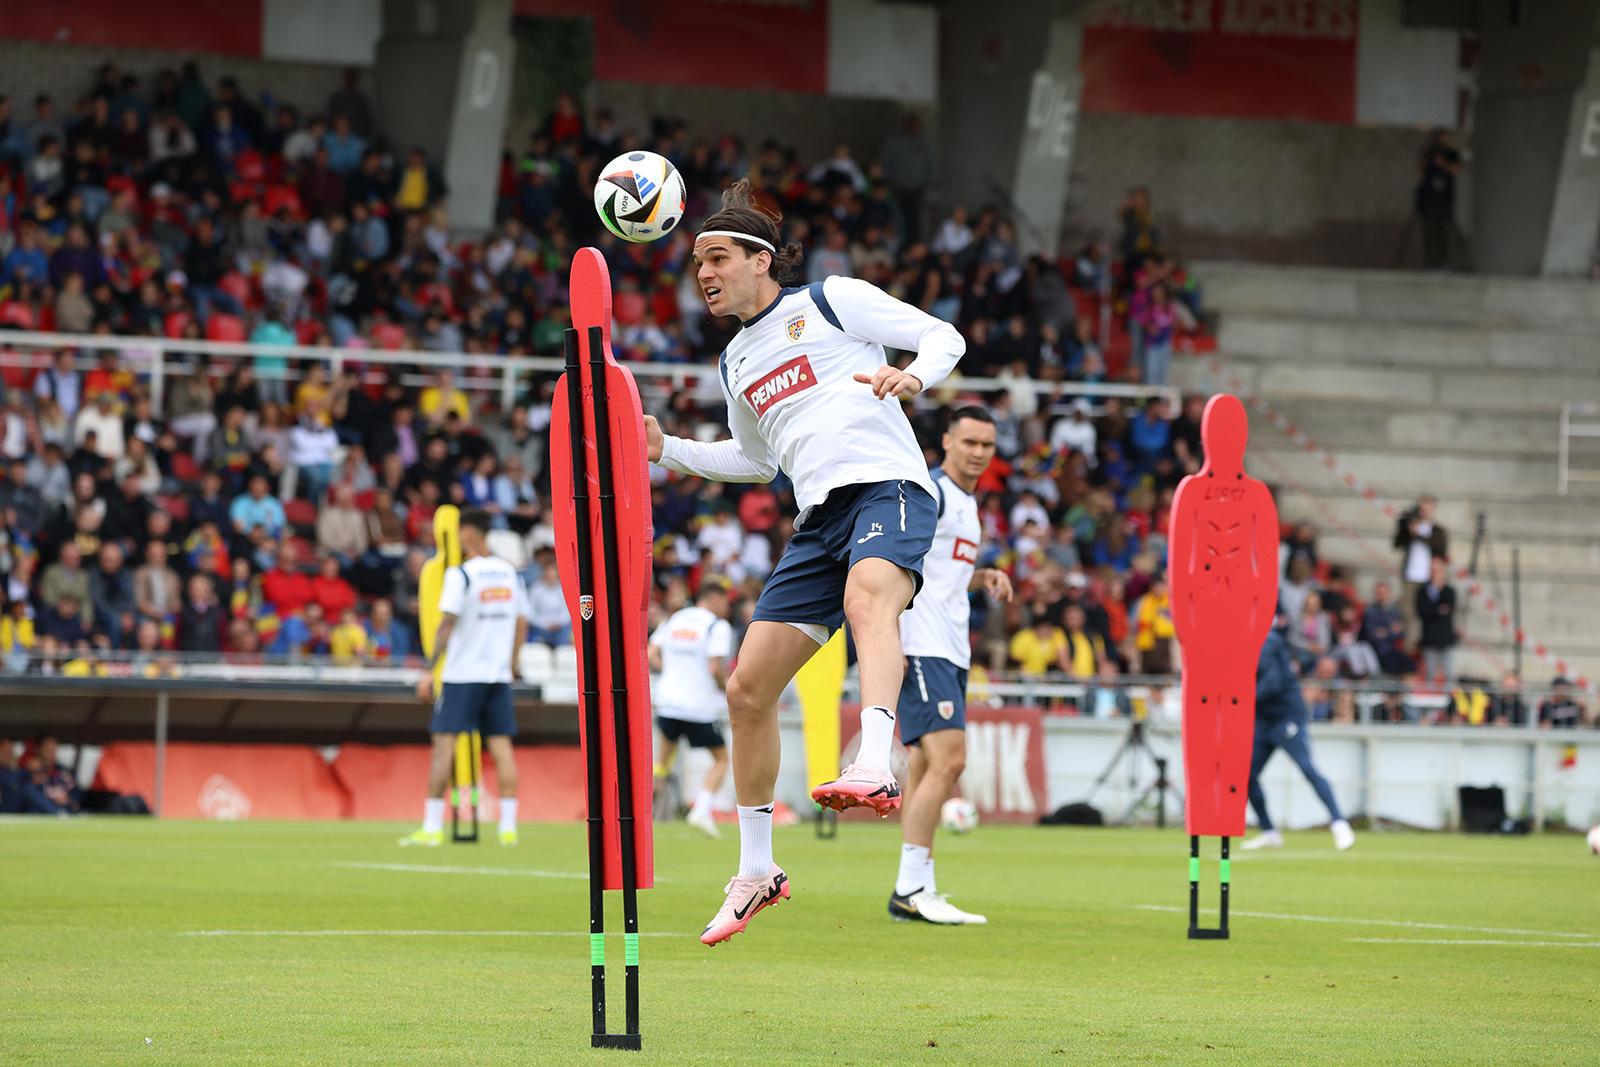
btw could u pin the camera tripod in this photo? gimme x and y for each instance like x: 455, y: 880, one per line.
x: 1130, y: 749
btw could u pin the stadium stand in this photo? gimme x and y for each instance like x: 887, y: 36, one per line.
x: 291, y: 500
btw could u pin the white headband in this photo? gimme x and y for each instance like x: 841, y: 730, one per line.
x: 741, y: 236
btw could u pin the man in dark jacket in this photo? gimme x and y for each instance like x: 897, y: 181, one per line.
x: 1281, y: 719
x: 1436, y: 613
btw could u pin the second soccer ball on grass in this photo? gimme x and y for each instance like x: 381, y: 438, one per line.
x: 959, y: 815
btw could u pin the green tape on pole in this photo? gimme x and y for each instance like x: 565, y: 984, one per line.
x: 1194, y: 868
x: 630, y: 949
x: 597, y: 950
x: 1225, y: 864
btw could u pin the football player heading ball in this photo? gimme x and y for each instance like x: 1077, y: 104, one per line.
x: 809, y: 392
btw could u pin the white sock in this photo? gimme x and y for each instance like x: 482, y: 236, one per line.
x: 433, y: 815
x: 755, y: 841
x: 929, y: 882
x: 508, y: 813
x: 702, y: 802
x: 913, y: 865
x: 877, y: 738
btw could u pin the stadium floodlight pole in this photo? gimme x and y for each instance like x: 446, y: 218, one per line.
x: 590, y: 695
x: 619, y: 687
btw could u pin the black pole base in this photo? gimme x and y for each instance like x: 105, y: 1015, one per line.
x: 827, y: 824
x: 630, y: 1042
x: 1196, y: 931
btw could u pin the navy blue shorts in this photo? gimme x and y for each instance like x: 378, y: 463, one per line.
x: 885, y: 520
x: 463, y: 707
x: 932, y: 697
x: 698, y: 734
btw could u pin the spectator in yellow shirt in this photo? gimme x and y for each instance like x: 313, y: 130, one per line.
x: 348, y: 641
x: 441, y: 398
x: 1040, y: 647
x: 415, y: 191
x: 313, y: 394
x: 1084, y: 651
x: 1154, y: 633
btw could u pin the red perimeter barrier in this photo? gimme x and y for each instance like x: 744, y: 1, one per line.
x: 1005, y: 775
x: 387, y: 781
x: 230, y: 782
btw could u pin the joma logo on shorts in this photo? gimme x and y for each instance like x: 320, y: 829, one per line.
x: 792, y: 377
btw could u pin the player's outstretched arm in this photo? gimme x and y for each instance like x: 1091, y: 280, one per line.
x: 742, y: 459
x: 867, y: 312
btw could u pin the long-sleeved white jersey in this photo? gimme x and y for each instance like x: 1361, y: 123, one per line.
x: 795, y: 406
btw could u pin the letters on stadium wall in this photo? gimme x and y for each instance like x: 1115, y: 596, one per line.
x: 1254, y: 59
x: 779, y: 45
x: 1005, y: 775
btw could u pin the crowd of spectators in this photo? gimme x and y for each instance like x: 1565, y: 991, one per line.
x: 272, y: 507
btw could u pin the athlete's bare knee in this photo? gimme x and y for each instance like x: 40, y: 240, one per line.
x: 948, y: 766
x: 747, y: 702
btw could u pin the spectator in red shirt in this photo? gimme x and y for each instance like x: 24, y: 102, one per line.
x: 284, y: 587
x: 332, y: 592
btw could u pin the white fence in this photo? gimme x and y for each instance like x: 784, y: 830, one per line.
x: 155, y: 359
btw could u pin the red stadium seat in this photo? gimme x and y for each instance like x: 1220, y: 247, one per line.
x: 220, y: 327
x: 282, y: 196
x: 250, y: 166
x: 389, y: 335
x: 16, y: 313
x: 176, y: 506
x: 20, y: 378
x: 300, y: 513
x: 235, y: 285
x: 306, y: 551
x: 184, y: 468
x: 629, y: 307
x: 176, y: 323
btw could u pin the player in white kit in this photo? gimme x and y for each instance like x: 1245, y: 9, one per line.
x: 690, y: 653
x: 483, y: 622
x: 934, y: 634
x: 810, y: 393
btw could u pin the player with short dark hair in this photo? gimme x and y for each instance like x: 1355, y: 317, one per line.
x: 810, y: 392
x: 938, y: 649
x: 690, y: 653
x: 484, y: 620
x: 1281, y: 721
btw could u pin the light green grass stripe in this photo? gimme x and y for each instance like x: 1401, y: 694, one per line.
x: 630, y: 949
x: 597, y: 950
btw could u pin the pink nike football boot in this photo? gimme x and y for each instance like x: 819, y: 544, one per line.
x: 746, y: 898
x: 859, y: 786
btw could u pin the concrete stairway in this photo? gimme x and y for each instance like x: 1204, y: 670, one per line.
x: 1421, y: 383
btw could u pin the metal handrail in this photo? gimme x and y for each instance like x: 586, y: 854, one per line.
x: 1570, y: 429
x: 509, y: 368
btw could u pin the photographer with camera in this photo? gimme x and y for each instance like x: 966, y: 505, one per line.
x: 1420, y: 540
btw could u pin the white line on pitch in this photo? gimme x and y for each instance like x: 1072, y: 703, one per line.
x: 425, y: 868
x: 1385, y: 922
x: 403, y: 933
x: 1448, y: 941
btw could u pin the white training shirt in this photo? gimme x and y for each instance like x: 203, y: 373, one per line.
x: 793, y: 403
x: 486, y: 596
x: 936, y: 625
x: 689, y: 640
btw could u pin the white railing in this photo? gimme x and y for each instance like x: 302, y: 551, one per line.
x: 153, y: 357
x: 1577, y: 421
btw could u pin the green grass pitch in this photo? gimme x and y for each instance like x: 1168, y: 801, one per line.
x: 1411, y: 948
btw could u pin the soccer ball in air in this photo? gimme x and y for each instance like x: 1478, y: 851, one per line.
x: 959, y: 815
x: 639, y: 196
x: 1594, y: 840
